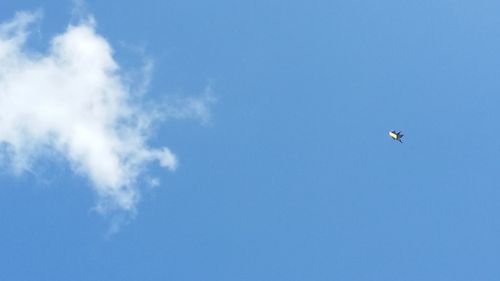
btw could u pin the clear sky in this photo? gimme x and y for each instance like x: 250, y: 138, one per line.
x: 290, y: 174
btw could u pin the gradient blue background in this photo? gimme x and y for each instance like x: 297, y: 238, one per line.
x: 296, y: 177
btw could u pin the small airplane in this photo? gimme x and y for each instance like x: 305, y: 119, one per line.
x: 396, y: 136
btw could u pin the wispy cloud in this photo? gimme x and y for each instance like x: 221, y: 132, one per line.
x: 74, y: 101
x: 190, y: 107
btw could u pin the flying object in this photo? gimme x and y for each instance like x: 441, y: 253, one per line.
x: 396, y: 135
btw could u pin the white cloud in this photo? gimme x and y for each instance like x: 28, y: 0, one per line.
x: 72, y: 100
x: 190, y: 107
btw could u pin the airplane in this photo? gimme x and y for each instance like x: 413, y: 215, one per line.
x: 396, y: 136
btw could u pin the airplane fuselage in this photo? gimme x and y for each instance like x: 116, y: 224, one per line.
x: 396, y: 135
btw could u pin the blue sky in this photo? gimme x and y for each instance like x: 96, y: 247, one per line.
x: 294, y: 177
